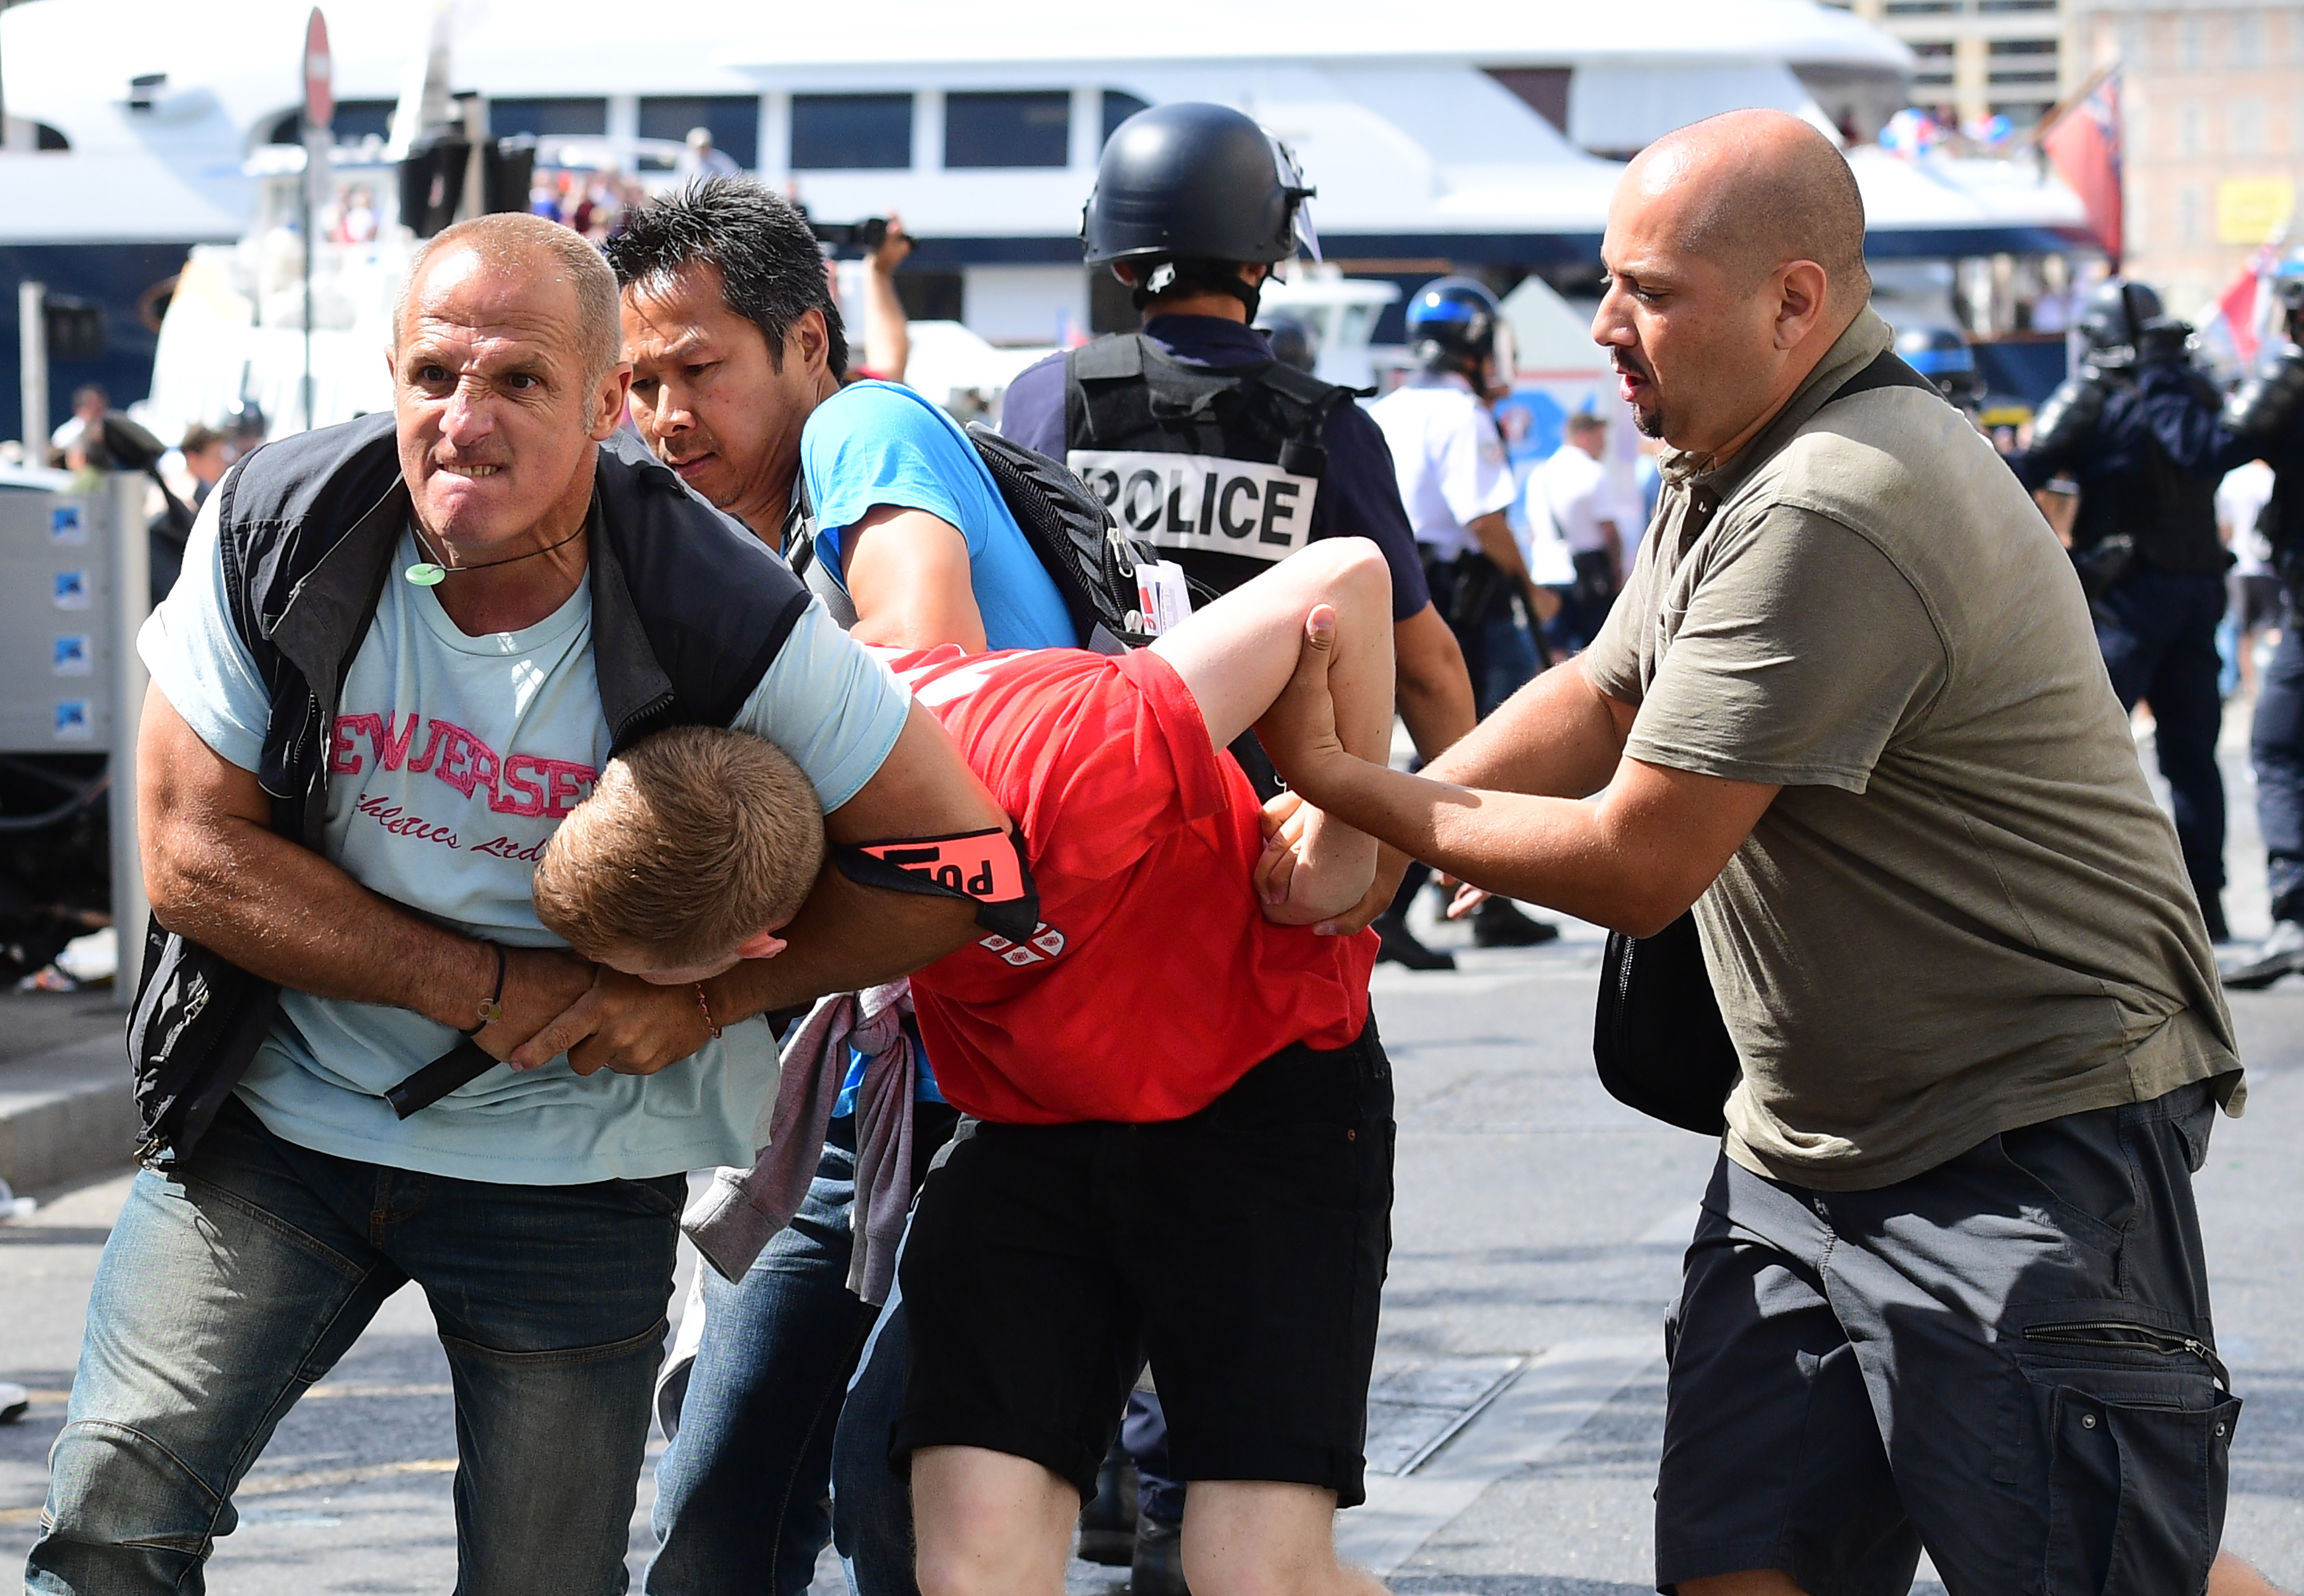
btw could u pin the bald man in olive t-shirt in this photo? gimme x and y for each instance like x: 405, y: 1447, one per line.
x: 1947, y: 1292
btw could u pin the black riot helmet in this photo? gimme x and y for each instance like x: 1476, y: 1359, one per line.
x: 2116, y: 318
x: 1196, y: 186
x: 1452, y: 325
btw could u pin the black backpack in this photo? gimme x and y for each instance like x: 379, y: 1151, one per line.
x: 1085, y: 552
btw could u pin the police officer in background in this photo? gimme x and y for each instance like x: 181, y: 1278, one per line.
x: 2138, y: 429
x: 1458, y: 487
x: 1222, y: 457
x: 2265, y: 416
x: 1943, y: 356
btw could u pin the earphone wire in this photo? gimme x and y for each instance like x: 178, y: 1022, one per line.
x: 424, y: 546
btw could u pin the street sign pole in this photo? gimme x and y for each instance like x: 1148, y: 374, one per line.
x: 32, y: 365
x: 131, y: 601
x: 320, y: 139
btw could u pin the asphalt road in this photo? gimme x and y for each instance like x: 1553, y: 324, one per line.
x: 1535, y: 1217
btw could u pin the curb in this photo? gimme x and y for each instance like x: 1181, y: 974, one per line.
x: 66, y: 1112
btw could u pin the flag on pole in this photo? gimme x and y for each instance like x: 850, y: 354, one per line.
x: 2083, y: 144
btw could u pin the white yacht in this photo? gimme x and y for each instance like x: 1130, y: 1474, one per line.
x: 136, y: 129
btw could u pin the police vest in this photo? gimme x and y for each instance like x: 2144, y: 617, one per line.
x: 2167, y: 513
x: 1219, y: 470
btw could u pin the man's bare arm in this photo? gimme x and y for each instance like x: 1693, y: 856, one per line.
x: 908, y: 571
x: 217, y: 873
x: 845, y: 937
x: 1435, y: 695
x: 1632, y: 860
x: 1560, y: 736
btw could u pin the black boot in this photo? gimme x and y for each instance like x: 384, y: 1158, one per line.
x: 1107, y: 1524
x: 1397, y: 944
x: 1159, y: 1567
x: 1497, y: 923
x: 2212, y: 912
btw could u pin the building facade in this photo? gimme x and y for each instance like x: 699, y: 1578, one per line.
x: 1981, y: 58
x: 2213, y: 143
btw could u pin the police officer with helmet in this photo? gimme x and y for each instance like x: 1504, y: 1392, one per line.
x: 1205, y: 446
x: 2138, y: 429
x: 2265, y: 416
x: 1224, y: 458
x: 1943, y: 356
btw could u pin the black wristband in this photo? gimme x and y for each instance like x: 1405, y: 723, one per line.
x: 492, y: 1010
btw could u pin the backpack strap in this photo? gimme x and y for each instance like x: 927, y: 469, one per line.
x: 1887, y: 370
x: 800, y: 554
x: 1092, y: 561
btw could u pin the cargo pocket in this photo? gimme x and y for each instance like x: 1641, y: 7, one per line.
x: 2138, y: 1461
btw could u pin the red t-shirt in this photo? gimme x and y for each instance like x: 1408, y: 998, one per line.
x: 1155, y: 981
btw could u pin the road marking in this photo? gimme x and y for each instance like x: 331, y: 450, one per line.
x: 1550, y: 1401
x: 264, y: 1485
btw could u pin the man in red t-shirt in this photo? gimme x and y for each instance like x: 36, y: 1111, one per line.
x: 1185, y: 1147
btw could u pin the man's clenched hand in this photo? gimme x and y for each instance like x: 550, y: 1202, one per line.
x: 621, y: 1023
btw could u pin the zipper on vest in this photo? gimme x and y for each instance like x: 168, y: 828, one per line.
x: 2135, y: 1338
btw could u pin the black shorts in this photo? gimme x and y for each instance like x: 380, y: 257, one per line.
x: 1243, y: 1250
x: 2007, y: 1359
x: 2263, y: 602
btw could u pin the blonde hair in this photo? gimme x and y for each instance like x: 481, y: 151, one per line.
x: 695, y: 841
x: 511, y: 241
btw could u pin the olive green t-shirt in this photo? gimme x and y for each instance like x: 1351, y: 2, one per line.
x: 1963, y: 913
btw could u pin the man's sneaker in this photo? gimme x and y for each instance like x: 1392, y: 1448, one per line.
x: 1497, y: 923
x: 1158, y: 1569
x: 1397, y: 944
x: 13, y: 1400
x: 2281, y: 952
x: 1107, y: 1524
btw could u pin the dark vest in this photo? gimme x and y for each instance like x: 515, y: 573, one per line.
x: 2168, y: 514
x: 1219, y: 469
x: 688, y: 609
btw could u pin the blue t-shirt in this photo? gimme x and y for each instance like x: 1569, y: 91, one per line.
x: 1360, y: 496
x: 451, y: 761
x: 874, y: 443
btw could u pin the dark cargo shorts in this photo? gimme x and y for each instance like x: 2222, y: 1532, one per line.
x: 2007, y: 1360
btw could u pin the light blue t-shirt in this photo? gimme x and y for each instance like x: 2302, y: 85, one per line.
x: 874, y: 443
x: 451, y: 761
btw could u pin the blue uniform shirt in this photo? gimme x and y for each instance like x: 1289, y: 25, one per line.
x: 874, y: 443
x: 1359, y: 498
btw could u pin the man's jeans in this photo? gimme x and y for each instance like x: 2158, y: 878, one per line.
x: 232, y: 1284
x: 741, y: 1494
x: 2276, y: 743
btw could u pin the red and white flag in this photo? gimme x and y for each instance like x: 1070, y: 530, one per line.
x: 2083, y: 144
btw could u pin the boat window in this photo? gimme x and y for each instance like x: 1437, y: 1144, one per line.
x: 1118, y: 106
x: 848, y: 132
x: 50, y: 137
x: 576, y: 118
x: 355, y: 120
x: 733, y: 121
x: 1008, y: 129
x: 1357, y: 324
